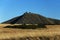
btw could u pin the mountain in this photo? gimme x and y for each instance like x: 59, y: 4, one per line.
x: 32, y: 18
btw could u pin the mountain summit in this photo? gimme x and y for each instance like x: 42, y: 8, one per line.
x: 31, y: 18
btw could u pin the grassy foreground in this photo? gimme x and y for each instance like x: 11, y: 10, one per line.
x: 52, y: 32
x: 32, y: 34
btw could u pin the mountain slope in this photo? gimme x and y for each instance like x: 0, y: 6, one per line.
x: 31, y: 18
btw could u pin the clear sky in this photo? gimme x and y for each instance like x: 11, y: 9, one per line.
x: 13, y: 8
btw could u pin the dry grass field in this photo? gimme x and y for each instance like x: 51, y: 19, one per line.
x: 52, y: 32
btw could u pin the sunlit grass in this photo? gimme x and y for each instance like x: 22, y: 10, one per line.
x: 11, y: 33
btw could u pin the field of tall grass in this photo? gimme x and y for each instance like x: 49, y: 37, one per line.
x: 52, y: 32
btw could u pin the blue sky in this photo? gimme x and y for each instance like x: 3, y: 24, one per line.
x: 13, y: 8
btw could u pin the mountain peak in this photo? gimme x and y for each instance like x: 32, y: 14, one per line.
x: 28, y: 13
x: 31, y: 18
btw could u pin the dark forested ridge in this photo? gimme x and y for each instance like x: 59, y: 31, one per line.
x: 31, y: 18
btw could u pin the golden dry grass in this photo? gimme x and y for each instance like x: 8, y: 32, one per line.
x: 9, y: 33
